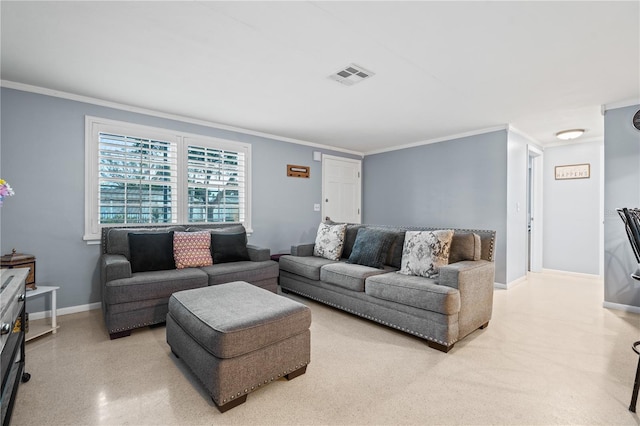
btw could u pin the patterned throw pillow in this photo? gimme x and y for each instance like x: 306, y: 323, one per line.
x: 424, y: 252
x: 192, y: 249
x: 329, y: 241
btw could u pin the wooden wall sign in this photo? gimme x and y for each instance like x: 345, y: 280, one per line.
x: 573, y: 171
x: 298, y: 171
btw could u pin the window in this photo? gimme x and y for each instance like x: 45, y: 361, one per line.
x: 142, y: 175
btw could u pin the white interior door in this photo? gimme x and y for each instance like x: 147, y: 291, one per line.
x: 341, y: 189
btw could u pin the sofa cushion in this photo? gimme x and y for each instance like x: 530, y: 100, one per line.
x: 371, y: 247
x: 229, y: 247
x: 330, y: 241
x: 350, y: 239
x: 464, y: 246
x: 151, y: 251
x: 241, y: 271
x: 117, y: 239
x: 192, y: 249
x: 418, y: 292
x: 394, y: 256
x: 347, y: 276
x: 424, y: 252
x: 153, y: 285
x: 306, y: 266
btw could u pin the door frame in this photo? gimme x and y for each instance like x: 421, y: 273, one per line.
x: 534, y: 253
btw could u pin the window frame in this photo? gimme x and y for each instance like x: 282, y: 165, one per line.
x: 95, y: 125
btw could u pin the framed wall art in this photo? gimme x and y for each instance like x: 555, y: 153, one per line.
x: 573, y: 171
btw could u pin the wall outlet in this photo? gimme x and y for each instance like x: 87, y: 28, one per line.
x: 316, y: 207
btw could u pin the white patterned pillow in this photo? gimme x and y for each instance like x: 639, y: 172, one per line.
x: 424, y: 252
x: 329, y: 241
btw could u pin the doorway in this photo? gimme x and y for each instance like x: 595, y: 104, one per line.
x: 341, y: 189
x: 534, y: 209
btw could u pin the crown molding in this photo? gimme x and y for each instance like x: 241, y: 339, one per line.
x: 139, y: 110
x: 620, y: 104
x: 529, y: 139
x: 436, y: 140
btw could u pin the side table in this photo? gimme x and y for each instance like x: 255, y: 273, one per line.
x: 41, y: 330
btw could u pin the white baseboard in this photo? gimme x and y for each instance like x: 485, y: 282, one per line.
x: 621, y: 307
x: 573, y: 274
x: 511, y: 284
x: 65, y: 311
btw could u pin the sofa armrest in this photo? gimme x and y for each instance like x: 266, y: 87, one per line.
x: 302, y: 249
x: 464, y: 274
x: 474, y: 279
x: 258, y: 254
x: 114, y: 267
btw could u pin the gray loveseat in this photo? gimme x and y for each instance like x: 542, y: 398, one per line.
x: 442, y: 310
x: 133, y: 299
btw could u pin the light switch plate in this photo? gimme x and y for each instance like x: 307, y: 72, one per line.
x: 316, y: 207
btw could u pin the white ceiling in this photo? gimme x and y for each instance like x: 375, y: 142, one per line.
x: 442, y: 68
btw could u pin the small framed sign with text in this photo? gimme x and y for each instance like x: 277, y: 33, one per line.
x: 573, y: 171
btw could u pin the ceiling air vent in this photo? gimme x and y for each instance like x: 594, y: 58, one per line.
x: 351, y: 75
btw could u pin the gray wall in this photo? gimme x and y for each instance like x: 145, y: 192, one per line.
x: 459, y: 183
x: 572, y: 209
x: 622, y: 189
x: 42, y: 157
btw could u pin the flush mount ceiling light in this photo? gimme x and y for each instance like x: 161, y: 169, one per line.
x: 351, y: 75
x: 566, y: 135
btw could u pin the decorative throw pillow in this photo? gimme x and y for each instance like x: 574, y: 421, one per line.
x: 151, y: 251
x: 424, y: 252
x: 192, y: 249
x: 464, y: 246
x: 229, y: 247
x: 329, y: 241
x: 371, y: 247
x: 350, y: 235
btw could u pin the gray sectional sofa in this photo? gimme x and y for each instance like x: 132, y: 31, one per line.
x: 442, y: 309
x: 133, y: 297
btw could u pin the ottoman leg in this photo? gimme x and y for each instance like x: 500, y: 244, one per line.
x: 298, y: 372
x: 231, y: 404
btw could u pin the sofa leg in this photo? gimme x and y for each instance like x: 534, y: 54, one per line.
x: 119, y: 334
x: 231, y: 404
x: 438, y: 346
x: 485, y: 325
x: 298, y: 372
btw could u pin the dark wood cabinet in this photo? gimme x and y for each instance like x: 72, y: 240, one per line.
x: 12, y: 336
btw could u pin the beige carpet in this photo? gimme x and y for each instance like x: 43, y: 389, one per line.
x: 551, y: 355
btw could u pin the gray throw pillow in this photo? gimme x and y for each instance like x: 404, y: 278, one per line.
x: 464, y: 246
x: 371, y: 247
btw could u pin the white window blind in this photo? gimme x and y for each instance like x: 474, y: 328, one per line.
x: 216, y: 184
x: 137, y: 180
x: 145, y: 175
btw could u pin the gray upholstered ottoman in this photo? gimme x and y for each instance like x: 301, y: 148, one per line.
x: 236, y: 337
